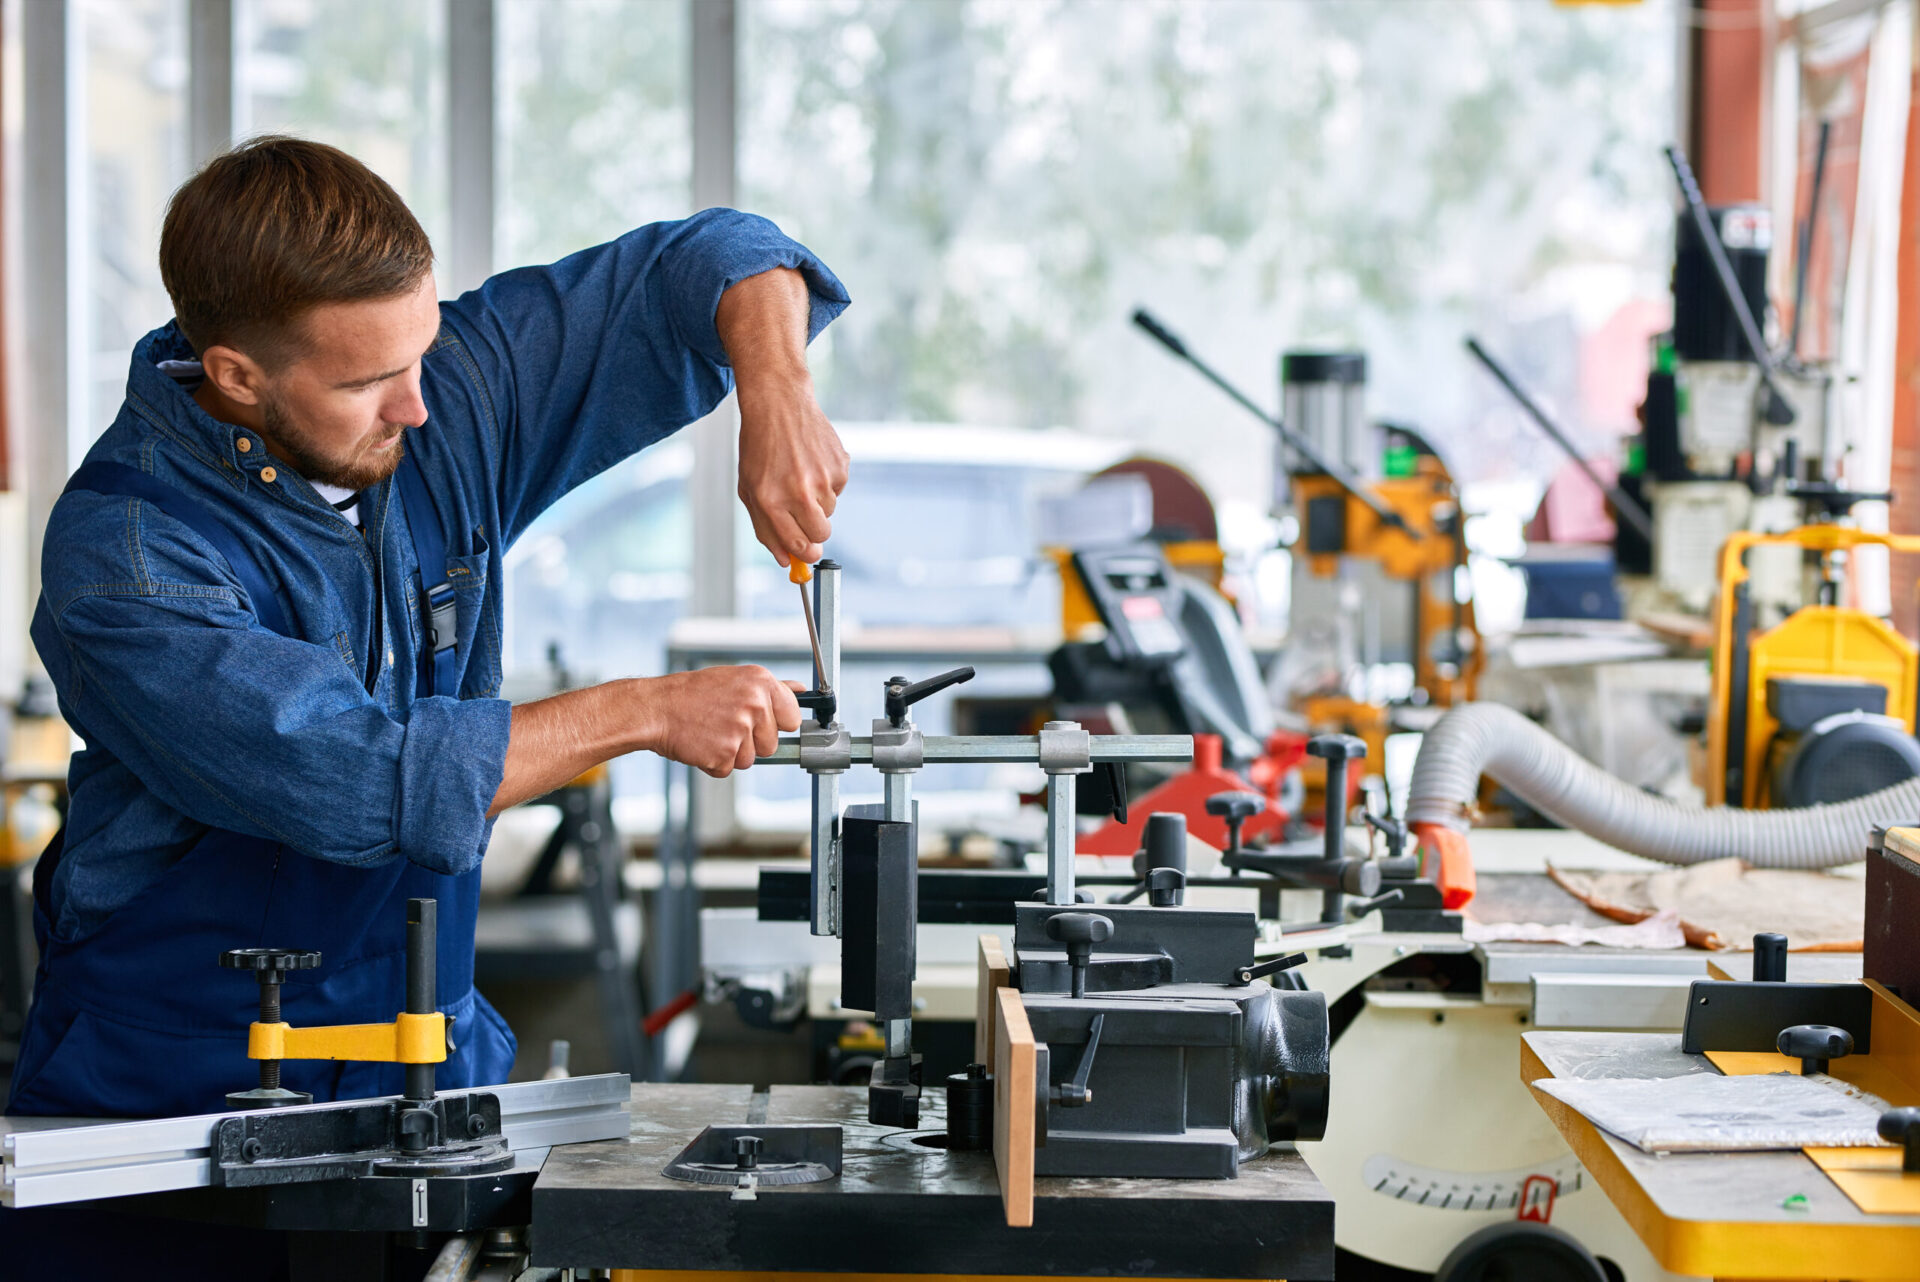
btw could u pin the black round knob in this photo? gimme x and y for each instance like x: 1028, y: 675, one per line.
x: 746, y: 1151
x: 1902, y: 1126
x: 1814, y: 1044
x: 1337, y: 747
x: 1080, y: 928
x: 1166, y: 887
x: 269, y: 959
x: 1239, y: 806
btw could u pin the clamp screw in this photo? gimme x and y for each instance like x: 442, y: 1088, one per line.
x: 746, y: 1152
x: 476, y: 1125
x: 251, y: 1148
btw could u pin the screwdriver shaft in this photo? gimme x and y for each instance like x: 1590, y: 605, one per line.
x: 813, y: 637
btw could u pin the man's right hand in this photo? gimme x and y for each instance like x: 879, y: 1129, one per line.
x: 719, y: 719
x: 716, y: 719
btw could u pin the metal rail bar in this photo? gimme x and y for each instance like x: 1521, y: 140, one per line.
x: 991, y: 749
x: 44, y: 1162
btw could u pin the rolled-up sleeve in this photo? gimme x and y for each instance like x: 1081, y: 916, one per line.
x: 590, y: 359
x: 245, y: 730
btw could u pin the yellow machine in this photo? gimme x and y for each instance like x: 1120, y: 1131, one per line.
x: 1820, y: 707
x: 1336, y: 525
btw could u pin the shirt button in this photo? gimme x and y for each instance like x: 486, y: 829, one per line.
x: 389, y: 658
x: 268, y: 475
x: 244, y: 444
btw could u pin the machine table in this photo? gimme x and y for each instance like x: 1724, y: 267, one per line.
x: 905, y: 1207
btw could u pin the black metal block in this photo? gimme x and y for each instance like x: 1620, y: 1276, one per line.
x: 879, y: 866
x: 1740, y: 1015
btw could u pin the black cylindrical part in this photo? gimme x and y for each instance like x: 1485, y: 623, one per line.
x: 270, y: 997
x: 1336, y: 792
x: 422, y: 982
x: 1770, y: 959
x: 269, y: 1074
x: 1165, y: 842
x: 422, y: 927
x: 1704, y: 325
x: 970, y: 1109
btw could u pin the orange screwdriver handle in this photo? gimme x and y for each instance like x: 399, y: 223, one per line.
x: 799, y: 571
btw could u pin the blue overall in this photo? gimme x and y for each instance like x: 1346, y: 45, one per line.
x: 182, y: 1046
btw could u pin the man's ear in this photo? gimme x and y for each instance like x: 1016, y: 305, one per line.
x: 236, y: 375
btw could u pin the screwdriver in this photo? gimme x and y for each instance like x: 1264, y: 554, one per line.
x: 801, y: 573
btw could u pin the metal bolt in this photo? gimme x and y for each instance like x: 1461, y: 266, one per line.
x: 251, y: 1148
x: 476, y: 1124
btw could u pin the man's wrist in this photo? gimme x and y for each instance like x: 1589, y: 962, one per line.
x: 637, y: 714
x: 770, y: 379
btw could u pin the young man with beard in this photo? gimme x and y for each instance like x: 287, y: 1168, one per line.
x: 271, y: 606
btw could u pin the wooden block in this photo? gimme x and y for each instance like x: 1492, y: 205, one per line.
x: 995, y: 974
x: 1014, y: 1092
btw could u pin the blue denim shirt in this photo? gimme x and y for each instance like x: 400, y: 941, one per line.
x: 196, y: 717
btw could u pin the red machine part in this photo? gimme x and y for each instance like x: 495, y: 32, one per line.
x: 1187, y: 794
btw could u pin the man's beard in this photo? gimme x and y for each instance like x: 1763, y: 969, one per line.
x: 294, y: 445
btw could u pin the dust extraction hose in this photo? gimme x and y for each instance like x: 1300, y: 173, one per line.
x: 1551, y: 777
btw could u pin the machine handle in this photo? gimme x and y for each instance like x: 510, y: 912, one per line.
x: 1247, y: 974
x: 903, y: 694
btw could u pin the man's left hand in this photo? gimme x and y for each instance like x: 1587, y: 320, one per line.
x: 792, y: 467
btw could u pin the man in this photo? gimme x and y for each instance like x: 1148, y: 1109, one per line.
x: 271, y: 606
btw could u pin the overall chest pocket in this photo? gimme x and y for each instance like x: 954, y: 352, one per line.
x: 476, y: 621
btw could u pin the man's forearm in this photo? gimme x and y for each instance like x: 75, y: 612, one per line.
x: 762, y: 322
x: 560, y: 738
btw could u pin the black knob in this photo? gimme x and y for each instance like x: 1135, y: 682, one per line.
x: 746, y: 1152
x: 1079, y: 932
x: 902, y: 694
x: 1902, y: 1126
x: 1770, y: 959
x: 1814, y: 1044
x: 1337, y: 747
x: 269, y: 959
x: 1236, y: 808
x: 1166, y: 887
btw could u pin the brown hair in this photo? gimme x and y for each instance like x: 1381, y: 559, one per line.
x: 274, y: 228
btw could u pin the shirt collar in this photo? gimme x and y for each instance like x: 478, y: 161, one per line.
x: 172, y: 400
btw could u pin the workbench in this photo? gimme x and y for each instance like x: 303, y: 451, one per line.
x: 901, y: 1206
x: 1724, y: 1215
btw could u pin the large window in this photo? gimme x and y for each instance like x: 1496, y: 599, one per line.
x: 1002, y: 182
x: 134, y: 95
x: 369, y: 76
x: 595, y: 136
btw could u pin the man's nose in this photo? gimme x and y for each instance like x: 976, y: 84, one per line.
x: 406, y: 406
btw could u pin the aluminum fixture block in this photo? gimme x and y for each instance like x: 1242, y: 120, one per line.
x: 44, y: 1163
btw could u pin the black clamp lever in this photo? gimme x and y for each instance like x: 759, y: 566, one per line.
x: 1074, y: 1093
x: 902, y: 694
x: 1247, y: 974
x: 1394, y: 830
x: 1814, y: 1044
x: 824, y: 704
